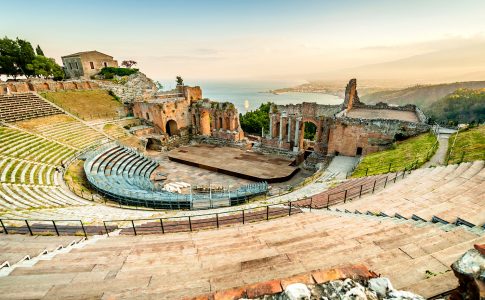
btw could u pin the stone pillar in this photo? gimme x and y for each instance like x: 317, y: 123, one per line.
x: 281, y: 129
x: 319, y: 131
x: 289, y: 129
x: 297, y: 135
x: 271, y: 126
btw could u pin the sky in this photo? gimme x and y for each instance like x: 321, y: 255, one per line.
x: 236, y: 40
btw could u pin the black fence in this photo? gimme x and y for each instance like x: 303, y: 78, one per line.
x: 202, y: 221
x: 345, y: 193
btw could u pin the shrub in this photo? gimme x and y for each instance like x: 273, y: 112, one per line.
x: 111, y: 71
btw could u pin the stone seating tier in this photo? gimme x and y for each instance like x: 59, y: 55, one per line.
x: 28, y: 172
x: 150, y: 266
x: 124, y: 175
x: 16, y: 248
x: 73, y: 133
x: 23, y: 106
x: 444, y: 193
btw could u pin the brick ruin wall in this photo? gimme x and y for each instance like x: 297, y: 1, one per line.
x: 159, y: 114
x: 346, y: 135
x: 335, y: 132
x: 46, y: 85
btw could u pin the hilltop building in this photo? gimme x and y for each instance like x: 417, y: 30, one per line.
x: 87, y: 63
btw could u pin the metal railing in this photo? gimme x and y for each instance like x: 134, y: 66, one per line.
x: 43, y: 227
x: 328, y: 198
x: 137, y: 189
x: 202, y: 221
x: 199, y: 221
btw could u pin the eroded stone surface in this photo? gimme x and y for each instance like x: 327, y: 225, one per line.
x: 470, y: 271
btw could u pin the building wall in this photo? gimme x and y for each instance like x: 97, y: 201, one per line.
x: 80, y: 66
x: 73, y: 67
x: 98, y: 60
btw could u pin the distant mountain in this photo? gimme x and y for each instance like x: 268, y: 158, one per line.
x: 466, y: 63
x: 421, y: 95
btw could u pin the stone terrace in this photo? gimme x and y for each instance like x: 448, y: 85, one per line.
x: 151, y: 266
x: 445, y: 192
x: 387, y: 114
x: 28, y: 175
x: 17, y: 248
x: 22, y: 106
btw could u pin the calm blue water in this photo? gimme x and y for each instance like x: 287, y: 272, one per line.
x: 256, y: 93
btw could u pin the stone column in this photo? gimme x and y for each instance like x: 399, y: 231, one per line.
x: 297, y: 135
x: 271, y: 126
x: 289, y: 129
x: 281, y: 128
x: 319, y: 131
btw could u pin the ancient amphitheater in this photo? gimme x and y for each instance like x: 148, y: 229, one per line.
x: 128, y: 238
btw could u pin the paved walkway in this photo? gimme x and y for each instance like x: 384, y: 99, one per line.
x: 440, y: 155
x: 341, y: 165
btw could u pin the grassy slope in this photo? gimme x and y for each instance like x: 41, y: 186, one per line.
x: 422, y: 95
x: 88, y: 105
x: 402, y: 155
x: 32, y: 124
x: 470, y: 145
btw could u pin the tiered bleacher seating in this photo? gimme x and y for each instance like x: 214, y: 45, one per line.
x: 22, y: 106
x: 347, y: 190
x: 28, y: 172
x: 442, y: 194
x: 124, y: 175
x: 17, y: 248
x: 74, y: 133
x: 181, y: 265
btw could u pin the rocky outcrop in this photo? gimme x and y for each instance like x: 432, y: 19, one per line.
x: 136, y: 87
x: 470, y: 271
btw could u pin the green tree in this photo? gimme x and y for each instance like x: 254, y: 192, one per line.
x: 310, y: 131
x: 253, y: 121
x: 159, y: 86
x: 462, y: 106
x: 39, y: 51
x: 45, y: 67
x: 179, y: 80
x: 9, y: 53
x: 25, y: 57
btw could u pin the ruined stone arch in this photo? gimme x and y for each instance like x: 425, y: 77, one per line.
x: 309, y: 129
x: 277, y: 129
x: 227, y: 123
x: 171, y: 128
x: 220, y: 123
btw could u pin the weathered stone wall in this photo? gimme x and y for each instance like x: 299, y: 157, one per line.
x: 38, y: 85
x: 346, y: 135
x: 138, y: 87
x: 351, y: 96
x: 335, y: 131
x: 217, y: 119
x: 192, y: 93
x: 287, y: 125
x: 160, y: 113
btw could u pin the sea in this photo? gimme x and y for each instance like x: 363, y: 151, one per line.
x: 249, y: 95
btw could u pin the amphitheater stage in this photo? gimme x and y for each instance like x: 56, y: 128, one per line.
x: 235, y: 162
